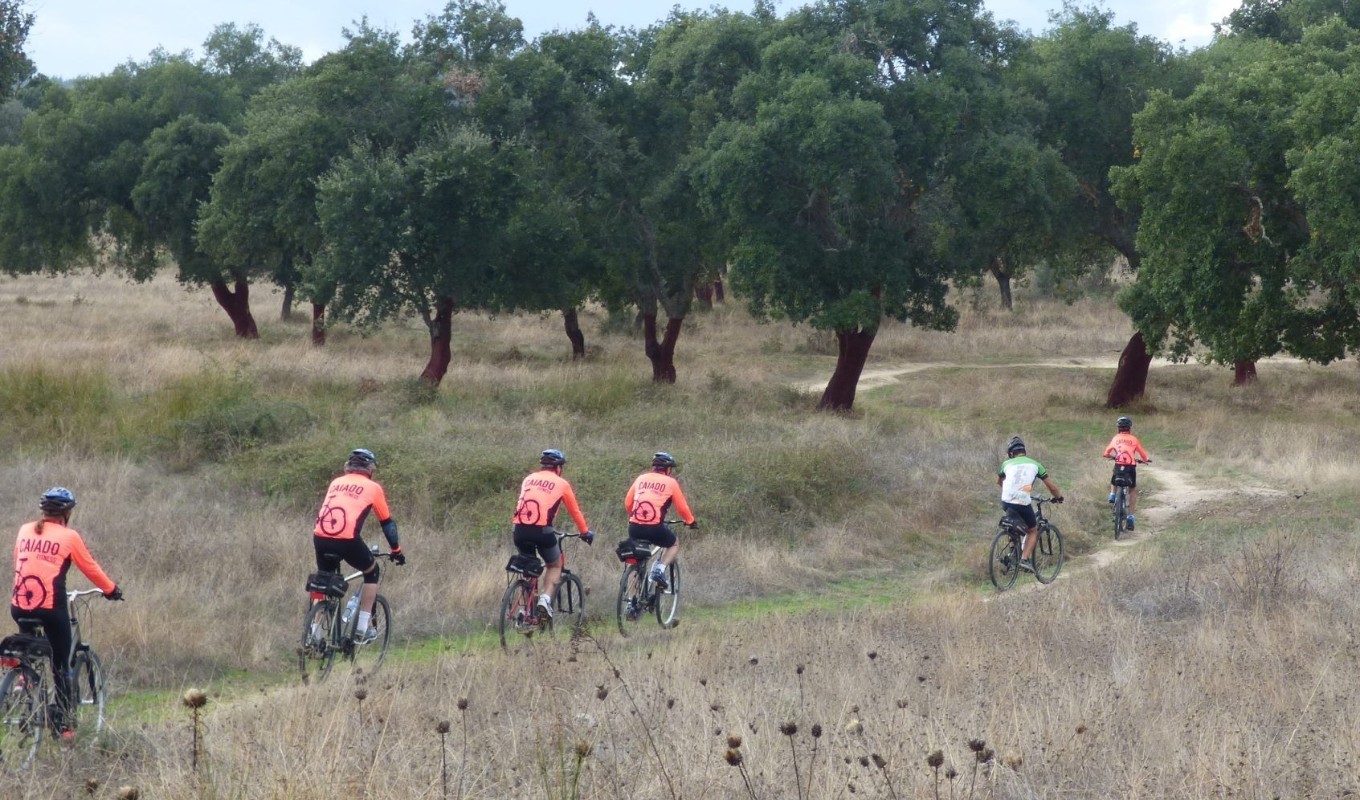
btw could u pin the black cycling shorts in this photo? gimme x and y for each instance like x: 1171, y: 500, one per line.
x: 329, y: 553
x: 1130, y: 473
x: 538, y: 540
x: 1024, y: 512
x: 659, y: 535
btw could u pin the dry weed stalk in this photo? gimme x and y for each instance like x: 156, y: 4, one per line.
x: 195, y: 700
x: 641, y: 715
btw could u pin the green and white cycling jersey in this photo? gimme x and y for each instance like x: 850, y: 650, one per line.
x: 1018, y: 475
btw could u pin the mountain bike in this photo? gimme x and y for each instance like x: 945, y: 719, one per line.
x: 1004, y: 564
x: 328, y: 632
x: 519, y: 604
x: 1120, y: 481
x: 28, y: 695
x: 638, y: 593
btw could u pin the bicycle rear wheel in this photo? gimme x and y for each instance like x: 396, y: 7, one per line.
x: 569, y: 601
x: 1003, y: 563
x: 316, y: 654
x: 1120, y: 500
x: 87, y: 690
x: 629, y: 608
x: 668, y: 599
x: 367, y: 654
x: 1048, y: 553
x: 517, y: 611
x: 23, y: 718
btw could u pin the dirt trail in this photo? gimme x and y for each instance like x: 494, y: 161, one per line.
x: 1175, y: 493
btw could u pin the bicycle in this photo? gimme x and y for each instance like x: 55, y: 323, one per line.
x: 638, y: 593
x: 328, y: 633
x: 1004, y: 564
x: 27, y: 693
x: 519, y: 604
x: 1120, y: 481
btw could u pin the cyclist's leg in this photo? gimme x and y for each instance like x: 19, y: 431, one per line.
x: 541, y: 541
x: 661, y: 536
x: 56, y: 626
x: 1133, y: 489
x: 357, y: 555
x: 1026, y: 514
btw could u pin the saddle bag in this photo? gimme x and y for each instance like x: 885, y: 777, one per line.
x: 525, y: 565
x: 1121, y: 475
x: 331, y: 584
x: 20, y: 645
x: 631, y: 551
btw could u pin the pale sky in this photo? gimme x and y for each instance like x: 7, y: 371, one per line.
x: 90, y: 37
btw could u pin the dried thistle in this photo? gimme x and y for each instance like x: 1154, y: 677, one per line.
x: 816, y: 731
x: 788, y: 728
x: 601, y: 692
x: 462, y: 704
x: 442, y: 728
x: 976, y: 745
x: 128, y: 793
x: 879, y: 761
x: 1013, y: 760
x: 733, y: 757
x: 583, y: 749
x: 194, y: 698
x: 854, y: 726
x: 734, y: 741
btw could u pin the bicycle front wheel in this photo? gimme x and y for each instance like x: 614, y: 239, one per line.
x: 668, y: 599
x: 371, y: 647
x: 1048, y: 553
x: 23, y: 718
x: 316, y: 654
x: 569, y: 601
x: 87, y: 690
x: 1003, y: 565
x: 629, y: 608
x: 517, y: 612
x: 1120, y: 499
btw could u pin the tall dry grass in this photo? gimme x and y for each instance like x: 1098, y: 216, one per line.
x: 1174, y: 674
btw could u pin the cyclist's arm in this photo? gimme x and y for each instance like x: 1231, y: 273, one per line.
x: 569, y: 500
x: 389, y: 525
x: 81, y: 555
x: 1052, y: 487
x: 682, y: 505
x: 628, y: 499
x: 1139, y: 452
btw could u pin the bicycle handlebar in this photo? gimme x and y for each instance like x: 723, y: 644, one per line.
x: 1136, y: 460
x: 75, y: 593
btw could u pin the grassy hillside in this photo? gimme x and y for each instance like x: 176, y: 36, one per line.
x: 837, y: 580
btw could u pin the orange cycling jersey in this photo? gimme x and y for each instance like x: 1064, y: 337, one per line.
x: 41, y: 561
x: 1125, y: 448
x: 348, y: 500
x: 540, y: 495
x: 651, y: 495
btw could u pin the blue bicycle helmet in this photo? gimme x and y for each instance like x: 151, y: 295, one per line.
x: 57, y: 500
x: 361, y: 460
x: 552, y: 458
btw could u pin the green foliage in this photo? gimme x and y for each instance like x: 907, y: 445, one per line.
x: 15, y: 24
x: 59, y: 409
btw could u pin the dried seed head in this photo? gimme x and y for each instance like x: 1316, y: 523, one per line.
x: 873, y: 654
x: 361, y: 694
x: 195, y: 698
x: 935, y: 759
x: 91, y: 786
x: 462, y: 704
x: 442, y: 727
x: 902, y: 703
x: 670, y: 702
x: 788, y: 728
x: 864, y: 761
x: 976, y: 745
x: 951, y: 773
x: 733, y: 741
x: 128, y: 793
x: 985, y: 755
x: 800, y: 669
x: 754, y: 660
x: 583, y: 749
x: 601, y: 692
x: 1013, y: 760
x: 1081, y: 729
x: 733, y: 757
x: 816, y: 731
x: 879, y: 761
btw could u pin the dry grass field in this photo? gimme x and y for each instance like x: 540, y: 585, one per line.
x: 839, y: 639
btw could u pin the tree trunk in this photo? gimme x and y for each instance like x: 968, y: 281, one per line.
x: 1244, y: 372
x: 1130, y: 377
x: 289, y: 292
x: 661, y: 353
x: 237, y: 305
x: 719, y: 294
x: 703, y: 292
x: 1003, y: 281
x: 852, y: 351
x: 572, y: 324
x: 318, y: 324
x: 441, y: 333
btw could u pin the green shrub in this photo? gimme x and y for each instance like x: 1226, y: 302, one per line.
x: 44, y: 408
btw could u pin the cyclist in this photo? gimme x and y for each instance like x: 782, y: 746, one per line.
x: 1126, y: 451
x: 43, y: 553
x: 647, y: 501
x: 540, y: 495
x: 339, y: 528
x: 1016, y: 479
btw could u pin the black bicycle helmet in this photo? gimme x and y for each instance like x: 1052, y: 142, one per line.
x: 663, y: 459
x: 1124, y: 424
x: 57, y: 500
x: 1016, y: 445
x: 361, y: 460
x: 552, y: 458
